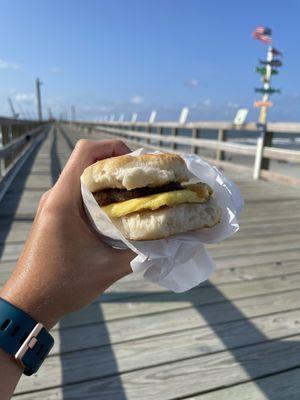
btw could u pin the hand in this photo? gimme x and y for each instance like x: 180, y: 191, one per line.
x: 64, y: 264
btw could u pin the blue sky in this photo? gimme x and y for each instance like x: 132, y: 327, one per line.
x: 112, y: 56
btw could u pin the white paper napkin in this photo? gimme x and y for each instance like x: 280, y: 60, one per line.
x: 181, y: 261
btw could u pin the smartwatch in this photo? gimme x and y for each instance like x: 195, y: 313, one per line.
x: 24, y: 338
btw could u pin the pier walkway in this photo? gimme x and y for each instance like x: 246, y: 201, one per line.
x: 236, y: 337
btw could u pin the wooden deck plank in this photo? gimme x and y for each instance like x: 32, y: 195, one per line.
x: 267, y: 244
x: 149, y: 304
x: 175, y: 380
x: 16, y: 232
x: 163, y: 349
x: 273, y: 269
x: 257, y: 259
x: 282, y: 386
x: 138, y: 328
x: 221, y: 276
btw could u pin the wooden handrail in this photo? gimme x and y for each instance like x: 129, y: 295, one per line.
x: 12, y: 121
x: 235, y: 148
x: 204, y: 143
x: 282, y: 154
x: 14, y: 145
x: 262, y: 152
x: 280, y: 127
x: 36, y: 136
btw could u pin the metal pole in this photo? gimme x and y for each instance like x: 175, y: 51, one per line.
x: 38, y: 98
x: 15, y: 115
x: 267, y: 84
x: 2, y: 163
x: 49, y: 113
x: 73, y: 115
x: 262, y: 121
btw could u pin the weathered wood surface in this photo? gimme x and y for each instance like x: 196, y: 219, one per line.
x: 286, y: 127
x: 166, y: 348
x: 282, y: 386
x: 236, y: 337
x: 157, y: 141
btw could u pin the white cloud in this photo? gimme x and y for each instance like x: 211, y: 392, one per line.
x: 55, y: 70
x: 230, y: 104
x: 136, y: 100
x: 9, y: 65
x: 192, y: 83
x: 25, y: 97
x: 207, y: 102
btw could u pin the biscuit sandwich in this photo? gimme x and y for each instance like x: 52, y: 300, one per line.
x: 149, y: 196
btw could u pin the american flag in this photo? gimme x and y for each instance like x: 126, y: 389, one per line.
x: 263, y: 34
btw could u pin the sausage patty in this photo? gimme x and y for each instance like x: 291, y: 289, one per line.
x: 109, y: 196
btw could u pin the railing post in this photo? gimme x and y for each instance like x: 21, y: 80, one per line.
x: 6, y: 139
x: 174, y: 133
x: 258, y: 157
x: 261, y: 162
x: 268, y: 138
x: 195, y: 135
x: 133, y: 129
x: 125, y: 128
x: 148, y: 130
x: 14, y: 134
x: 138, y: 139
x: 10, y: 133
x: 222, y: 137
x: 159, y: 131
x: 1, y: 159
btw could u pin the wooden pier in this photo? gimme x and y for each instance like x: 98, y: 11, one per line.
x: 236, y: 337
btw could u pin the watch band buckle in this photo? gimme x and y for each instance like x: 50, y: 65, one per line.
x: 28, y: 343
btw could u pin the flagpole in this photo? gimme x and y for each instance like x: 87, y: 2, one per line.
x: 262, y: 121
x: 267, y: 84
x: 265, y: 138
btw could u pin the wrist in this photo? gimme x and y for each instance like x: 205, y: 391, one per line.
x: 23, y: 338
x: 27, y: 299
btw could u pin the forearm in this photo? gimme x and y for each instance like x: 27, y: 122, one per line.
x: 10, y: 374
x: 64, y: 264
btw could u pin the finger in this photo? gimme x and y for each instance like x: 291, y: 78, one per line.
x: 85, y: 153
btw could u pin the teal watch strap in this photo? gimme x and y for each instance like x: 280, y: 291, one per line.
x: 22, y: 337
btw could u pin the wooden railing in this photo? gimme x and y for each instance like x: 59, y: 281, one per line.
x: 167, y: 136
x: 17, y: 139
x: 14, y: 135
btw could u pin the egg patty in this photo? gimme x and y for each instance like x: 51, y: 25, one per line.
x: 192, y: 194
